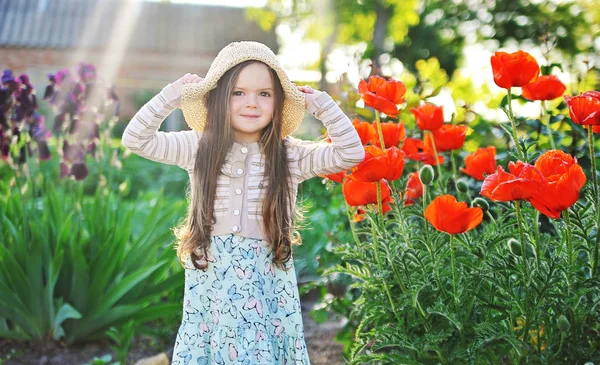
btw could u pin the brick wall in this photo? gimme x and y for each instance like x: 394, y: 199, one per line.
x: 137, y: 72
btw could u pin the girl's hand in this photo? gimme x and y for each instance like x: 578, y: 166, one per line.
x: 186, y: 79
x: 310, y: 93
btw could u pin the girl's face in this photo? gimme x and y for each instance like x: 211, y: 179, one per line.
x: 252, y: 103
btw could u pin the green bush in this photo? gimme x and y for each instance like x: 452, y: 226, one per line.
x: 72, y: 265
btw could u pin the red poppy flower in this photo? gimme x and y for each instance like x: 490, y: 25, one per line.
x: 414, y: 189
x: 338, y: 178
x: 585, y: 108
x: 365, y: 131
x: 521, y: 182
x: 379, y: 164
x: 428, y: 116
x: 417, y: 151
x: 447, y: 137
x: 360, y: 212
x: 482, y: 161
x: 593, y: 93
x: 359, y: 215
x: 564, y: 179
x: 596, y: 128
x: 393, y: 134
x: 544, y: 88
x: 453, y: 217
x: 359, y: 193
x: 514, y: 69
x: 382, y: 94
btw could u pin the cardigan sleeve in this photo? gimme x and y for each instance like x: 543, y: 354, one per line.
x: 142, y: 137
x: 345, y: 150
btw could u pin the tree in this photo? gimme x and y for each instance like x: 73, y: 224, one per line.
x: 343, y: 22
x: 415, y: 29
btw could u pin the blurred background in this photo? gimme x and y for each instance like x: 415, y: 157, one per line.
x: 139, y: 46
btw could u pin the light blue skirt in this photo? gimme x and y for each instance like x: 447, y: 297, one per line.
x: 241, y: 310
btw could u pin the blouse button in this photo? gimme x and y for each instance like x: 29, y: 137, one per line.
x: 238, y: 191
x: 244, y: 150
x: 235, y: 228
x: 236, y: 212
x: 240, y: 171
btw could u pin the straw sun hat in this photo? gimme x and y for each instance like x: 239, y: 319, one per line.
x: 193, y: 94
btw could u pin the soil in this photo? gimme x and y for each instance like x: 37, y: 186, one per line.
x: 322, y: 348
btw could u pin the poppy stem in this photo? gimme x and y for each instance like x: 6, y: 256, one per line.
x: 454, y: 293
x: 595, y: 181
x: 402, y: 223
x: 379, y: 131
x: 379, y: 205
x: 542, y: 118
x: 537, y: 238
x: 394, y: 270
x: 491, y: 217
x: 437, y: 161
x: 455, y: 178
x: 356, y: 240
x: 376, y: 250
x: 567, y: 217
x: 511, y: 117
x: 453, y: 166
x: 522, y: 238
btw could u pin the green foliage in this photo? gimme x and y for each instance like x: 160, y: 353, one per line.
x: 10, y: 356
x: 148, y: 176
x: 322, y: 229
x: 72, y: 265
x: 122, y: 339
x: 104, y: 360
x: 521, y: 288
x: 428, y: 320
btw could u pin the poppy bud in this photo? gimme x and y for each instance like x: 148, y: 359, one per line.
x: 481, y: 203
x: 583, y: 257
x: 530, y: 250
x: 479, y: 252
x: 563, y: 323
x: 462, y: 186
x: 426, y: 174
x: 514, y: 246
x: 587, y: 272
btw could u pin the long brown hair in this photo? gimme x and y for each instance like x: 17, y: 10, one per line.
x: 193, y: 236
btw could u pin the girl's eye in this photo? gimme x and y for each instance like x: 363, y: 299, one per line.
x: 264, y: 93
x: 237, y: 93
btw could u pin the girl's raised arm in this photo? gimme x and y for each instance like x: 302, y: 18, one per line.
x: 345, y: 150
x: 142, y: 137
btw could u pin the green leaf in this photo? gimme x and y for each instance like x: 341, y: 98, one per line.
x: 120, y: 289
x: 155, y: 312
x: 65, y: 312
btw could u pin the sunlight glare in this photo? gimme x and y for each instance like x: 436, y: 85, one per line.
x: 230, y: 3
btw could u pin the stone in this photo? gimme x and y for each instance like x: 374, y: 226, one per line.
x: 160, y: 359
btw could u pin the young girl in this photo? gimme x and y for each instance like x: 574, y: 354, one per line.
x: 241, y: 302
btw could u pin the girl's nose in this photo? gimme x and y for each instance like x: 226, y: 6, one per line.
x: 251, y: 100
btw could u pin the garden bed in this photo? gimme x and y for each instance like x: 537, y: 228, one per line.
x: 322, y: 348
